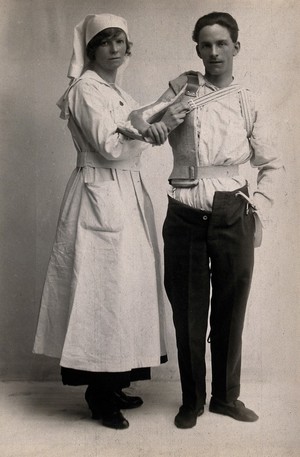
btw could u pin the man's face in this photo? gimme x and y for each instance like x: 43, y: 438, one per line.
x: 216, y: 48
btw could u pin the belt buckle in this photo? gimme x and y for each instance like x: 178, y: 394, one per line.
x: 184, y: 183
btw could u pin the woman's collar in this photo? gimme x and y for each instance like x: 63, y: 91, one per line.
x: 91, y: 74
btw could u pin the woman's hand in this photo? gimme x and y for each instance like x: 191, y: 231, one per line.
x: 156, y: 133
x: 175, y: 114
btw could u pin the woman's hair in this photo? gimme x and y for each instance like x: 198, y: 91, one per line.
x: 106, y: 34
x: 223, y: 19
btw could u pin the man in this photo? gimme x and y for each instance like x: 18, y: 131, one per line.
x: 210, y: 224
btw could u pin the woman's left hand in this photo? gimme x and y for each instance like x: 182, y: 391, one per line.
x: 157, y: 133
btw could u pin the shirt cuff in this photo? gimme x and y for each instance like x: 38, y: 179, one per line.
x: 263, y: 205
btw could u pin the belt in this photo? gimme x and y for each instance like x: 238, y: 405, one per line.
x: 189, y: 176
x: 94, y: 159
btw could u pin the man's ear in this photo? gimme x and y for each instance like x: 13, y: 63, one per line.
x: 237, y: 47
x: 198, y: 51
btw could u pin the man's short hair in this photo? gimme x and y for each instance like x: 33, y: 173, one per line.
x: 223, y: 19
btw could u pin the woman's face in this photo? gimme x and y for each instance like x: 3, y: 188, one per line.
x: 111, y: 52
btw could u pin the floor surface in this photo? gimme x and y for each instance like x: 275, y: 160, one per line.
x: 50, y: 420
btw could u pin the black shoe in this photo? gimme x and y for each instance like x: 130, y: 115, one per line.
x: 124, y: 401
x: 97, y: 401
x: 187, y: 417
x: 114, y: 419
x: 235, y: 409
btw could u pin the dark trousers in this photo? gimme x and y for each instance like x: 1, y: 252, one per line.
x: 209, y: 261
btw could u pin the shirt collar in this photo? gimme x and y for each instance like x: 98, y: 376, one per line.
x: 204, y: 82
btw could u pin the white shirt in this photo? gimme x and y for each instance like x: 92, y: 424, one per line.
x: 222, y: 140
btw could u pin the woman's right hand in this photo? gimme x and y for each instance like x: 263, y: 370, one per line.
x: 156, y: 133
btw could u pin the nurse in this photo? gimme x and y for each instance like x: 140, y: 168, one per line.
x: 102, y: 310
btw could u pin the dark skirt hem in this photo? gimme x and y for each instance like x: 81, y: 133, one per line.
x: 73, y: 377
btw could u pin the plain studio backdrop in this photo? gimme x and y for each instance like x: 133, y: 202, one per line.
x: 37, y: 158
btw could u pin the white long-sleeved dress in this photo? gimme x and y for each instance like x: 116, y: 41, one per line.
x: 102, y: 303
